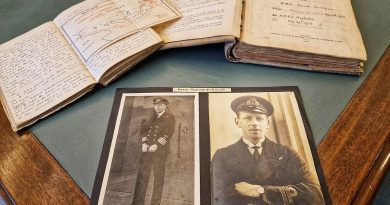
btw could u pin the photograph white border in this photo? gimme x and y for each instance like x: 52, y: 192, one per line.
x: 115, y: 135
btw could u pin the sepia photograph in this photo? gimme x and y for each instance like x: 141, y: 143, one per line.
x: 260, y: 150
x: 152, y: 154
x: 219, y: 146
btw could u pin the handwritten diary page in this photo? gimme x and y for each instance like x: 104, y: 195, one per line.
x: 202, y: 19
x: 325, y: 27
x: 92, y: 25
x: 147, y: 13
x: 38, y: 70
x: 107, y: 58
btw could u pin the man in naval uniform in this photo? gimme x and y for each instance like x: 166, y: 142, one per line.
x: 155, y: 150
x: 256, y: 170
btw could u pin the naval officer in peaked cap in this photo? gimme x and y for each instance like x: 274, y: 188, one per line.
x: 256, y: 170
x: 154, y: 152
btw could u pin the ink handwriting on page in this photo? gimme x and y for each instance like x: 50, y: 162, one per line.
x: 91, y: 26
x: 39, y: 70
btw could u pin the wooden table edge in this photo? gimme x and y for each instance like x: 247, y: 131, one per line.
x: 354, y: 153
x: 29, y: 174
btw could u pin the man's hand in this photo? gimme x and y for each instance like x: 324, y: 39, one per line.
x: 246, y: 189
x: 153, y: 148
x: 145, y: 147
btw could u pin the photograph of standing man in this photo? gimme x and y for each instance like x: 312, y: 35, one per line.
x: 255, y: 170
x: 155, y: 149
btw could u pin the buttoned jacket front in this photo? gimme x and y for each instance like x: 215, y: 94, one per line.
x: 160, y: 128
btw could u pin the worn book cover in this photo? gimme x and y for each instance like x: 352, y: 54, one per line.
x: 307, y: 35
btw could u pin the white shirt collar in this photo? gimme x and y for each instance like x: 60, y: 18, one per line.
x: 251, y: 145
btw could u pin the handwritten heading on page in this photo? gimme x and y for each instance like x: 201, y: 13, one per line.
x: 316, y: 26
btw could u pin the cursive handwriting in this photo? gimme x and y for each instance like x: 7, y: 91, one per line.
x: 39, y: 70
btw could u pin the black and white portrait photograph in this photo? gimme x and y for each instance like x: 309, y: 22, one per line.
x: 259, y: 151
x: 152, y: 157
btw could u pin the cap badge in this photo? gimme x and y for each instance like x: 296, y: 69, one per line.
x: 252, y: 102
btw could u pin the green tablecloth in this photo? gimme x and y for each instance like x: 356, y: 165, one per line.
x: 75, y: 134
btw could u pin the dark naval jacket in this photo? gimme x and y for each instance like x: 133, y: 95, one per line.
x: 159, y: 128
x: 280, y: 170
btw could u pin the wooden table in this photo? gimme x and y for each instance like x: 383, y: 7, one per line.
x: 355, y: 153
